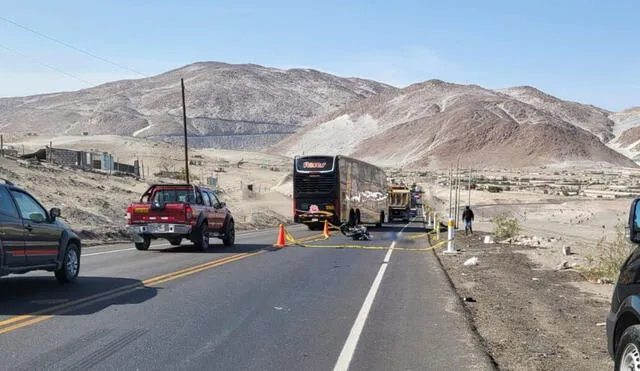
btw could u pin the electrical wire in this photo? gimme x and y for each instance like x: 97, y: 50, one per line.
x: 72, y: 47
x: 46, y: 65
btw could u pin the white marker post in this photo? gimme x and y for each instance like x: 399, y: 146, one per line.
x: 429, y: 220
x: 451, y: 249
x: 436, y: 225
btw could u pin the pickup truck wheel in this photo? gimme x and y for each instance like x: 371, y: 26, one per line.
x: 628, y: 349
x: 202, y: 238
x: 143, y: 245
x: 70, y: 268
x: 230, y: 234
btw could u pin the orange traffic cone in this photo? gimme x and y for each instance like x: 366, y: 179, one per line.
x: 326, y: 229
x: 280, y: 242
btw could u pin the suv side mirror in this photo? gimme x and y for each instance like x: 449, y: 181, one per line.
x: 633, y: 227
x: 54, y: 213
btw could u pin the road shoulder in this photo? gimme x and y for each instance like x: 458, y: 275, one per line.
x: 419, y: 316
x: 529, y: 318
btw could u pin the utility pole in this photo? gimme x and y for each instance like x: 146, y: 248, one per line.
x: 455, y: 193
x: 450, y: 190
x: 457, y: 190
x: 186, y: 145
x: 469, y: 201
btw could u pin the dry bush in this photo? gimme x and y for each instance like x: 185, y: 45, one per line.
x: 505, y: 226
x: 605, y: 264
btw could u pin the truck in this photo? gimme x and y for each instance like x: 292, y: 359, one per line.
x: 416, y: 200
x: 180, y: 211
x: 399, y: 202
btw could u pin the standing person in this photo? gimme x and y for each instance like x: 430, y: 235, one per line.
x: 467, y: 217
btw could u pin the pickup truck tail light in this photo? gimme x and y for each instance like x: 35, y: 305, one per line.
x: 188, y: 212
x: 129, y: 211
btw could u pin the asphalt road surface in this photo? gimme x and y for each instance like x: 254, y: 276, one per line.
x: 250, y: 307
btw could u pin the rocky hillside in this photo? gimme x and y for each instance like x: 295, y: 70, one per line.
x: 229, y: 106
x: 593, y: 119
x: 432, y: 123
x: 627, y: 132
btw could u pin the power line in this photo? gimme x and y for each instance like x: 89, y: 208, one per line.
x: 72, y: 47
x: 46, y: 65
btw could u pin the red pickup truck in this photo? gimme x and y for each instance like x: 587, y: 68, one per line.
x: 180, y: 211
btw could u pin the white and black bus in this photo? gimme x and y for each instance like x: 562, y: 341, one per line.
x: 339, y: 189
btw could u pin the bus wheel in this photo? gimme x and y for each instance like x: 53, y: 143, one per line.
x: 352, y: 217
x: 379, y: 224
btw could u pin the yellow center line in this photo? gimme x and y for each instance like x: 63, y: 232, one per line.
x: 94, y: 296
x: 25, y: 323
x: 312, y: 237
x: 45, y: 314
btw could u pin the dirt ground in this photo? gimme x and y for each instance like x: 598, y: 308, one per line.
x: 529, y: 317
x: 94, y: 204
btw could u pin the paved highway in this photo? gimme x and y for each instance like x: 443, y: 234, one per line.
x: 250, y: 307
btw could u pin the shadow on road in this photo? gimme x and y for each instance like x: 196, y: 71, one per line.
x: 26, y: 295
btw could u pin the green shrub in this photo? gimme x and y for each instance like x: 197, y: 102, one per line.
x: 505, y: 226
x: 609, y: 256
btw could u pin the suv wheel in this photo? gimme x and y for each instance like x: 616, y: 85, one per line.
x: 202, y: 237
x: 628, y: 349
x: 143, y: 245
x: 229, y: 235
x: 70, y: 268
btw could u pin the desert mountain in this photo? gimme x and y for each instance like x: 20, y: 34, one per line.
x: 431, y: 123
x: 627, y: 132
x: 229, y: 106
x: 593, y: 119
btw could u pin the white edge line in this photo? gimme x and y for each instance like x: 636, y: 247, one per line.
x: 240, y: 234
x: 107, y: 252
x: 243, y: 234
x: 349, y: 349
x: 388, y: 256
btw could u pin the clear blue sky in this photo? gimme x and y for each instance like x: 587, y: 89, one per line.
x: 582, y: 50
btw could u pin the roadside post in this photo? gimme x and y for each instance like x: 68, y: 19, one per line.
x: 451, y: 249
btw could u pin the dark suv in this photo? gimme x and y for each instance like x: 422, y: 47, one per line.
x: 32, y: 238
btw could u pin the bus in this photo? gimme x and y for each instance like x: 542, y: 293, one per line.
x: 338, y: 189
